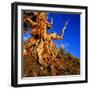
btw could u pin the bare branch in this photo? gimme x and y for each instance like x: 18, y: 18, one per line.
x: 64, y: 28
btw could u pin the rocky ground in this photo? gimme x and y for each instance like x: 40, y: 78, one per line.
x: 51, y: 62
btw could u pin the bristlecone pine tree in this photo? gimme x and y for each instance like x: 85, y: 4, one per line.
x: 41, y: 57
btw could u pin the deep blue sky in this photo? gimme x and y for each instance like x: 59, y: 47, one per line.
x: 72, y: 33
